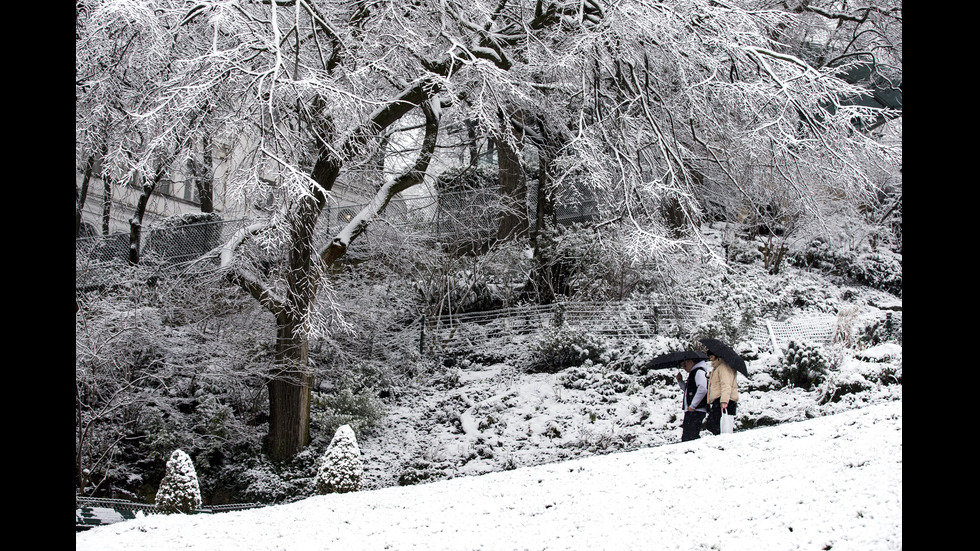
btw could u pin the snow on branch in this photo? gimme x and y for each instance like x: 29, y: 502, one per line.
x: 392, y: 186
x: 228, y: 250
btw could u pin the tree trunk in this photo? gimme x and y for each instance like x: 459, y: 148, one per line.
x: 513, y: 223
x: 204, y: 178
x: 545, y: 275
x: 289, y: 386
x: 289, y: 392
x: 80, y: 195
x: 136, y: 222
x: 106, y: 203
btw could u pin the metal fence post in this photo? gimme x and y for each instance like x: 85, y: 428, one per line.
x: 772, y: 337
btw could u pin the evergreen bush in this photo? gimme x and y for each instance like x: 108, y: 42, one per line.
x: 419, y: 471
x: 878, y: 270
x: 888, y: 329
x: 179, y: 490
x: 341, y: 469
x: 360, y: 412
x: 804, y: 365
x: 562, y: 347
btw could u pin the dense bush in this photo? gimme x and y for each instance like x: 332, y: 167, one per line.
x: 888, y: 329
x: 599, y: 378
x: 329, y: 412
x: 179, y: 491
x: 804, y: 365
x: 876, y: 269
x: 341, y: 468
x: 565, y: 346
x: 588, y: 265
x: 419, y: 471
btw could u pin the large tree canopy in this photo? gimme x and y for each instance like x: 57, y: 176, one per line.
x: 634, y: 100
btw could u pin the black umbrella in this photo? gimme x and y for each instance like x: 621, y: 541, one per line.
x: 666, y: 361
x: 726, y: 353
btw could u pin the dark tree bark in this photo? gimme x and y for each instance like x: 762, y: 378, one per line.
x: 203, y: 174
x: 81, y: 194
x: 289, y: 391
x: 513, y: 222
x: 136, y: 222
x: 106, y: 203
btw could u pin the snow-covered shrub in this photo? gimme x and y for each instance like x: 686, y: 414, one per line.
x: 597, y: 266
x: 877, y: 270
x: 763, y: 381
x: 634, y: 356
x: 262, y: 484
x: 839, y: 384
x: 763, y: 374
x: 880, y: 331
x: 803, y: 365
x: 341, y: 469
x: 748, y: 350
x: 599, y: 378
x: 742, y: 251
x: 179, y: 490
x: 727, y: 323
x: 419, y: 471
x: 818, y: 253
x: 328, y: 412
x: 261, y: 480
x: 565, y: 346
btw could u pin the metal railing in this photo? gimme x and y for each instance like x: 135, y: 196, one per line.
x: 95, y: 511
x: 620, y: 319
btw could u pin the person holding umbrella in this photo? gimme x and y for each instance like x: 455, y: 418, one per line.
x: 695, y: 401
x: 723, y: 382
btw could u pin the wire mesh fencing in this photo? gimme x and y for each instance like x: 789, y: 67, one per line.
x: 619, y: 319
x: 97, y: 258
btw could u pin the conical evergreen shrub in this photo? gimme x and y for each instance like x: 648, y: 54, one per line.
x: 804, y: 365
x: 179, y: 490
x: 341, y: 469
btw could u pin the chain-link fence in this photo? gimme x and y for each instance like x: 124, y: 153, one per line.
x: 97, y: 258
x: 463, y: 215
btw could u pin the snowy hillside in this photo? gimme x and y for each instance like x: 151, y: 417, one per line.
x: 828, y: 483
x: 497, y: 418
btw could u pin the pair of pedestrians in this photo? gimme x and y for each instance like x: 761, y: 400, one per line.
x: 706, y: 394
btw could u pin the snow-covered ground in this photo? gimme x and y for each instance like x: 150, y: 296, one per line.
x: 495, y: 417
x: 590, y: 458
x: 832, y: 482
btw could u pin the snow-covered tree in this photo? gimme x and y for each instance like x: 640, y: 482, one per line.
x: 179, y: 490
x: 635, y: 102
x: 341, y: 469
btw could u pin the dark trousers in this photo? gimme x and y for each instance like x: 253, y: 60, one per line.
x: 691, y: 426
x: 714, y: 415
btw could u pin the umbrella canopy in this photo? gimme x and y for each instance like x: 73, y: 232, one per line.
x: 667, y: 361
x: 726, y: 353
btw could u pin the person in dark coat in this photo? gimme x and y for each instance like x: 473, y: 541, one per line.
x: 695, y: 403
